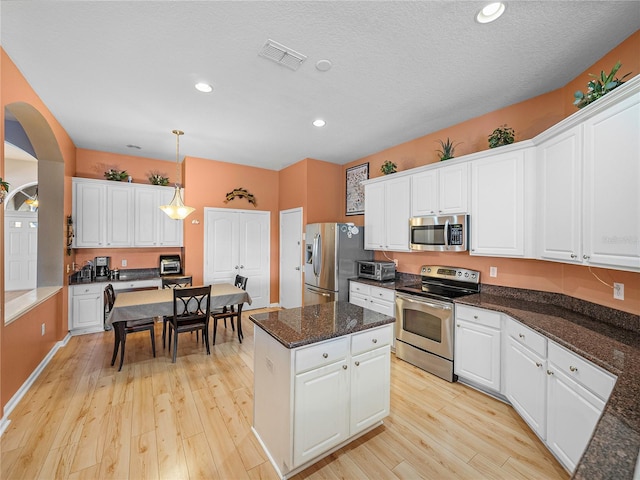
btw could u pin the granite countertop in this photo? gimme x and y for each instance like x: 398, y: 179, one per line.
x: 607, y: 337
x: 296, y: 327
x: 127, y: 275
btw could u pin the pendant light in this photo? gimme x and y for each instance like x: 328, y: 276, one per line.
x: 177, y: 209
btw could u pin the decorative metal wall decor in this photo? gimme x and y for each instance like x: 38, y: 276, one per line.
x: 242, y: 193
x: 354, y: 190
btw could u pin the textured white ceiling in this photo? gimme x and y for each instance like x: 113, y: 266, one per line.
x: 118, y: 73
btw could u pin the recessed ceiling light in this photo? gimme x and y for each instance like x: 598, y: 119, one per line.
x: 490, y: 13
x: 319, y: 123
x: 204, y: 87
x: 323, y: 65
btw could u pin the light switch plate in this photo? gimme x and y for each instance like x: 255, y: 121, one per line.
x: 618, y: 291
x: 493, y: 271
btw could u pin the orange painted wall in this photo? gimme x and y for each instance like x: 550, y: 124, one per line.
x: 21, y: 345
x: 207, y: 183
x: 293, y: 188
x: 528, y: 118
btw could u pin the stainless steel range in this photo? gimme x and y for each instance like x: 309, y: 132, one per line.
x: 425, y: 317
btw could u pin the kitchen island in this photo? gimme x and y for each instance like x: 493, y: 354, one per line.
x: 321, y: 379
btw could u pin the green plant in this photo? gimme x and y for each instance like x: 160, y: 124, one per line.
x: 4, y: 186
x: 116, y: 175
x: 502, y: 135
x: 158, y: 179
x: 447, y: 149
x: 388, y: 167
x: 599, y: 87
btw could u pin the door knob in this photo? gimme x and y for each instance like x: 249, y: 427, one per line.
x: 241, y: 266
x: 236, y: 267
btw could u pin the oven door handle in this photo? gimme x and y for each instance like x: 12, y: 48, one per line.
x: 424, y: 302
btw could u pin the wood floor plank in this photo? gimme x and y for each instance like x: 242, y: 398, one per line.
x: 83, y: 419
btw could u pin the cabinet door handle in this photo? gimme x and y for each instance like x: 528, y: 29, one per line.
x: 475, y: 317
x: 374, y: 340
x: 344, y: 367
x: 586, y: 257
x: 357, y: 364
x: 325, y: 355
x: 458, y: 325
x: 573, y: 255
x: 538, y: 364
x: 549, y: 372
x: 521, y: 335
x: 572, y: 368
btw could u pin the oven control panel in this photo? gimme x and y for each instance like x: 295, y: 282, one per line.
x: 450, y: 273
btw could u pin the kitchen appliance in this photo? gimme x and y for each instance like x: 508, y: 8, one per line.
x: 170, y: 265
x: 380, y: 271
x: 332, y: 251
x: 439, y: 233
x: 425, y: 317
x: 101, y: 268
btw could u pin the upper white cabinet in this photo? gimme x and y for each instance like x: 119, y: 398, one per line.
x: 440, y: 191
x: 122, y: 215
x: 387, y: 208
x: 588, y: 196
x: 611, y: 196
x: 501, y: 205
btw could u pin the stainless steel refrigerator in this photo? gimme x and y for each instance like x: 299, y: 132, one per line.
x: 331, y: 254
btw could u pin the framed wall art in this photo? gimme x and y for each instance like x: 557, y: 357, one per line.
x: 355, y: 191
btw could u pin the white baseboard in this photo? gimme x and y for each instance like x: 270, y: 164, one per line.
x: 11, y: 404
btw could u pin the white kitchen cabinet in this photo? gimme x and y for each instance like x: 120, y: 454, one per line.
x: 86, y: 308
x: 611, y: 197
x: 111, y: 214
x: 237, y: 243
x: 440, y: 191
x: 311, y: 399
x: 502, y: 188
x: 525, y: 374
x: 378, y: 299
x: 477, y: 347
x: 577, y: 393
x: 387, y: 209
x: 153, y: 228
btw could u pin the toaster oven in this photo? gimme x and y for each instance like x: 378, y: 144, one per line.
x: 170, y: 265
x: 380, y: 271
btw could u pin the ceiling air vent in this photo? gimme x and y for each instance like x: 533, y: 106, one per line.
x: 282, y: 55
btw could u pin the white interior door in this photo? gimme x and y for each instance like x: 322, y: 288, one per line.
x: 237, y: 242
x: 21, y: 251
x: 291, y: 258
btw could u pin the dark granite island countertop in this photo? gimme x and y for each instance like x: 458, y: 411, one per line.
x: 608, y: 338
x: 296, y: 327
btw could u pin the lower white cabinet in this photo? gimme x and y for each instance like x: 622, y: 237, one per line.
x: 477, y: 350
x: 378, y: 299
x: 577, y: 393
x: 86, y: 308
x: 525, y: 375
x: 310, y: 400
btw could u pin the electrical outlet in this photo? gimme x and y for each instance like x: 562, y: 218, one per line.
x: 124, y: 263
x: 68, y: 268
x: 618, y: 291
x: 43, y: 329
x: 493, y: 271
x: 395, y: 261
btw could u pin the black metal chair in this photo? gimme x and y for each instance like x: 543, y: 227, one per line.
x: 122, y: 329
x: 191, y: 312
x: 230, y: 312
x: 173, y: 282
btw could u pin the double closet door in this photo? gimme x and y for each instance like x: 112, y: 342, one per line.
x: 237, y: 243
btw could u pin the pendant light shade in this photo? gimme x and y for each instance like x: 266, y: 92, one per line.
x: 177, y: 209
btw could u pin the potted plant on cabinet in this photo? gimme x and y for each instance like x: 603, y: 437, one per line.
x: 502, y: 135
x: 599, y: 87
x: 116, y: 175
x: 158, y: 179
x: 447, y: 149
x: 388, y: 167
x: 4, y: 189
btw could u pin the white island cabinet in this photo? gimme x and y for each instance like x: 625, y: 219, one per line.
x: 313, y: 399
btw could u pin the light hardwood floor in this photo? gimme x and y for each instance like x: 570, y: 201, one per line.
x: 83, y: 420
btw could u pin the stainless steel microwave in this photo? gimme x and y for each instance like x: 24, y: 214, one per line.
x: 439, y: 233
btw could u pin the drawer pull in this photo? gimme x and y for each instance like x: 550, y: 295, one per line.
x: 549, y: 372
x: 325, y: 355
x: 538, y: 364
x: 344, y: 367
x: 357, y: 364
x: 572, y: 368
x: 521, y: 335
x: 374, y: 340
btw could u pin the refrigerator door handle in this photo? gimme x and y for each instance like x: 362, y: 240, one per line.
x: 319, y: 292
x: 316, y: 258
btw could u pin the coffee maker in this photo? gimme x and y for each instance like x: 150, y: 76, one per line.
x: 101, y: 268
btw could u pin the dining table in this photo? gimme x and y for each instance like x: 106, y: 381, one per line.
x: 143, y: 304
